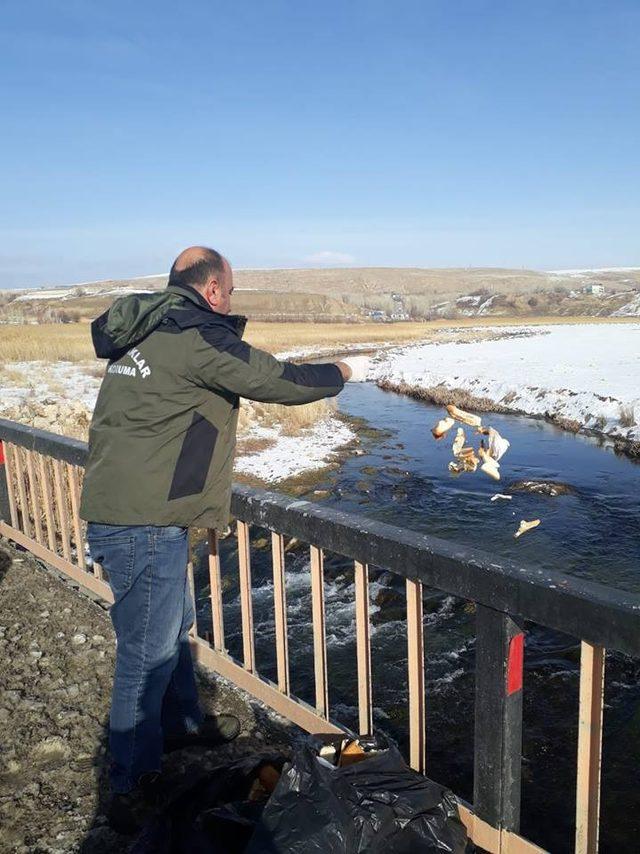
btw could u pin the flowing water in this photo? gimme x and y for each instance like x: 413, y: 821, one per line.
x: 402, y: 478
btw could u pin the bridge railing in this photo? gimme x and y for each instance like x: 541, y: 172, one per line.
x: 40, y: 481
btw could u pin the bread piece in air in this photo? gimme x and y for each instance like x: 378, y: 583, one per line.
x: 465, y: 417
x: 442, y: 427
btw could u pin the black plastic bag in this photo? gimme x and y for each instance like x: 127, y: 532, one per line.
x: 377, y: 806
x: 209, y: 812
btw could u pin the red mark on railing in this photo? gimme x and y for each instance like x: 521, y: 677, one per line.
x: 515, y: 664
x: 1, y: 453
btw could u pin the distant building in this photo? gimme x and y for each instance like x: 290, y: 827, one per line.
x: 595, y: 290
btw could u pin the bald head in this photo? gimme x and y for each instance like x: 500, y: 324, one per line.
x: 206, y: 270
x: 194, y: 265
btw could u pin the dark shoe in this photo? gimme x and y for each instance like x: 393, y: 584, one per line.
x: 213, y: 731
x: 129, y: 811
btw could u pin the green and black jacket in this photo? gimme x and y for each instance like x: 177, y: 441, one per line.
x: 163, y: 432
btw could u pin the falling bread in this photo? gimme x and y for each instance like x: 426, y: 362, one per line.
x: 442, y: 427
x: 465, y: 417
x: 466, y: 452
x: 458, y: 442
x: 489, y: 466
x: 463, y: 464
x: 467, y: 459
x: 526, y: 526
x: 498, y: 446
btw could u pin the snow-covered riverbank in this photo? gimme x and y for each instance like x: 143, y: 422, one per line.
x: 288, y: 456
x: 585, y: 374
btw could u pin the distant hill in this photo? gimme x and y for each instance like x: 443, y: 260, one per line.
x: 384, y: 293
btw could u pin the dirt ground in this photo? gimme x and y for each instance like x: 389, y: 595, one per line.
x: 57, y: 653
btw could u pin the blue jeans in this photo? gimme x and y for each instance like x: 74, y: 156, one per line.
x: 154, y: 688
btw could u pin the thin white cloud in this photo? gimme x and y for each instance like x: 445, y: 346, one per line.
x: 328, y: 258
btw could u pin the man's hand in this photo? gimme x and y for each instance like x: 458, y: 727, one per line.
x: 355, y: 369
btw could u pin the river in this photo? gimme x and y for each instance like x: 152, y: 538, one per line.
x: 402, y: 478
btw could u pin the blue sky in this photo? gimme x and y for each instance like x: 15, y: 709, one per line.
x: 295, y: 133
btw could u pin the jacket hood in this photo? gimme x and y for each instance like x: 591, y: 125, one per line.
x: 131, y: 318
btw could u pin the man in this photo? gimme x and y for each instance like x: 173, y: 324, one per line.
x: 161, y: 450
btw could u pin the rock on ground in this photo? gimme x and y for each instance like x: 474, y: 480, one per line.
x: 57, y: 653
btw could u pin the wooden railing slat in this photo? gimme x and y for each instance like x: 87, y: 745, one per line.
x: 22, y: 491
x: 9, y: 455
x: 61, y: 506
x: 246, y: 603
x: 45, y: 484
x: 319, y: 632
x: 280, y: 611
x: 363, y: 648
x: 74, y: 489
x: 215, y: 588
x: 415, y: 665
x: 590, y: 714
x: 34, y: 497
x: 193, y: 631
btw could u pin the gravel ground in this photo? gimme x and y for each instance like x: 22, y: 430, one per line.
x: 57, y: 653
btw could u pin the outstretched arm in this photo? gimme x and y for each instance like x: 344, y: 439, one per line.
x: 222, y: 361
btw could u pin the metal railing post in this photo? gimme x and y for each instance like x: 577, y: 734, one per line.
x: 498, y: 719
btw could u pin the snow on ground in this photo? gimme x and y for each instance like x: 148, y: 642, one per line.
x: 67, y: 384
x: 316, y: 351
x: 66, y: 294
x: 97, y: 283
x: 311, y: 449
x: 588, y: 373
x: 631, y: 309
x: 52, y: 294
x: 592, y: 270
x: 36, y: 382
x: 122, y: 291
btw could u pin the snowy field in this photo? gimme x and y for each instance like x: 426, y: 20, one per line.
x: 590, y: 373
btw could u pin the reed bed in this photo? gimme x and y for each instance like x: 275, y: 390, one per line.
x: 52, y: 342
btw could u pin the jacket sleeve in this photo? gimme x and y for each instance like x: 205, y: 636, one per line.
x: 222, y: 361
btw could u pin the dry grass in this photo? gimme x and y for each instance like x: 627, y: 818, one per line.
x: 48, y: 342
x: 280, y: 337
x: 290, y: 419
x: 251, y: 445
x: 53, y: 342
x: 11, y: 376
x: 627, y: 417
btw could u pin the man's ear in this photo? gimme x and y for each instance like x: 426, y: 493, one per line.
x: 212, y: 292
